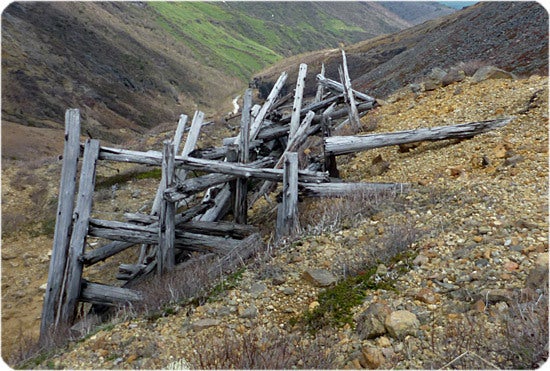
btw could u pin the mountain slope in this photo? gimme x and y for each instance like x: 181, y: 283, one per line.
x: 130, y: 66
x: 509, y: 35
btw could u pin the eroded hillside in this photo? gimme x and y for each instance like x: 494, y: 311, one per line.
x: 460, y: 253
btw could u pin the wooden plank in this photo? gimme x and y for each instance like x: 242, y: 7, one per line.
x: 330, y: 163
x: 63, y: 223
x: 256, y: 124
x: 240, y: 204
x: 287, y: 218
x: 165, y: 253
x: 155, y: 209
x: 353, y: 114
x: 108, y: 295
x: 80, y: 230
x: 338, y: 87
x: 319, y: 94
x: 298, y: 95
x: 344, y: 189
x: 222, y: 204
x: 316, y: 106
x: 339, y: 145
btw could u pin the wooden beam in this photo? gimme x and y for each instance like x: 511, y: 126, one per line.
x: 319, y: 94
x: 287, y: 217
x: 338, y: 87
x: 339, y: 145
x: 63, y: 224
x: 353, y: 114
x: 298, y: 95
x: 210, y: 166
x: 256, y: 124
x: 166, y: 233
x: 80, y: 230
x: 107, y: 295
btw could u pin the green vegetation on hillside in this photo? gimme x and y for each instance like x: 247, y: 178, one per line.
x: 214, y: 36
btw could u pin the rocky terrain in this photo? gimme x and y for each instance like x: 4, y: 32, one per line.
x: 459, y: 263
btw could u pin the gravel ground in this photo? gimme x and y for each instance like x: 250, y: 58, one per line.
x: 475, y: 218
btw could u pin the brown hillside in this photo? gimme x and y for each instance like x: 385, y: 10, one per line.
x: 509, y: 35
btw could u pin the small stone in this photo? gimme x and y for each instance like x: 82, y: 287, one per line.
x: 421, y: 260
x: 479, y: 306
x: 319, y: 277
x: 481, y: 262
x: 205, y: 323
x: 257, y: 289
x: 131, y: 358
x: 313, y: 305
x: 372, y: 358
x: 511, y: 266
x: 382, y: 270
x: 478, y: 239
x: 401, y: 323
x: 370, y: 323
x: 250, y: 312
x: 289, y: 291
x: 383, y: 342
x: 426, y: 295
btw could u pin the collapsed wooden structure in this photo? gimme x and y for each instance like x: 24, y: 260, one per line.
x: 235, y: 175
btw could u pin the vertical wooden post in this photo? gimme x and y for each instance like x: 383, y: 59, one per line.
x: 80, y: 230
x: 165, y: 254
x: 63, y: 222
x: 319, y: 94
x: 155, y: 209
x: 298, y: 94
x: 330, y: 159
x: 287, y: 217
x: 240, y: 207
x: 353, y: 113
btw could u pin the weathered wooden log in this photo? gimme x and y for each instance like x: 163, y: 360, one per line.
x: 80, y: 230
x: 240, y: 203
x: 166, y: 258
x: 222, y: 204
x: 315, y: 107
x: 336, y: 86
x: 339, y: 145
x: 287, y: 216
x: 107, y: 295
x: 118, y: 231
x: 256, y: 124
x: 113, y: 248
x: 210, y: 166
x: 348, y: 91
x: 319, y: 93
x: 298, y: 95
x: 63, y: 224
x: 220, y: 228
x: 344, y: 189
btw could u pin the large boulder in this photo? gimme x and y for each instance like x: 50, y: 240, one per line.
x: 491, y: 72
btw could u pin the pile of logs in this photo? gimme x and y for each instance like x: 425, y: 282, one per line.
x: 190, y: 215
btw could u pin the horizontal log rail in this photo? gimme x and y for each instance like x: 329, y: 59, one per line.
x: 209, y: 166
x: 341, y: 145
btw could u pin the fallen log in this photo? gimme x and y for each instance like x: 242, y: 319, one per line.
x: 340, y: 145
x: 344, y: 189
